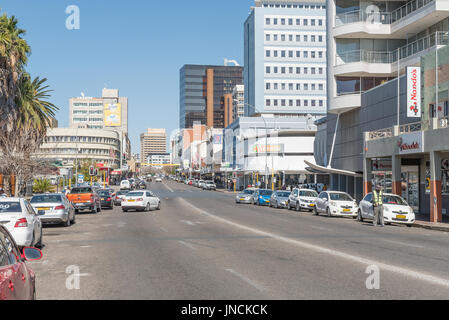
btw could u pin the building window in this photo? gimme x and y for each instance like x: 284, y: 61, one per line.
x: 267, y: 37
x: 268, y: 102
x: 283, y: 103
x: 298, y: 103
x: 305, y: 54
x: 306, y: 22
x: 267, y: 70
x: 267, y: 53
x: 290, y: 22
x: 268, y: 86
x: 298, y: 22
x: 267, y: 21
x: 275, y: 53
x: 306, y: 38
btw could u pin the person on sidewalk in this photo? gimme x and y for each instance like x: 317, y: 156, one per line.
x: 378, y: 195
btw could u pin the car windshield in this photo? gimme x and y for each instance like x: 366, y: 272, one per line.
x: 340, y: 197
x: 395, y: 200
x: 135, y: 194
x: 283, y: 194
x: 209, y: 182
x: 81, y: 190
x: 248, y: 192
x: 311, y: 193
x: 266, y: 192
x: 50, y: 198
x: 10, y: 207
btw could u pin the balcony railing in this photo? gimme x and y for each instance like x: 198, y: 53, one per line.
x: 399, y: 130
x: 380, y: 134
x: 381, y: 17
x: 443, y: 123
x: 388, y: 57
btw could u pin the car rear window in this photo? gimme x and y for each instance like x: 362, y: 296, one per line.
x: 135, y: 194
x: 266, y: 193
x: 283, y: 194
x: 54, y: 198
x: 81, y: 190
x: 121, y: 193
x: 10, y: 207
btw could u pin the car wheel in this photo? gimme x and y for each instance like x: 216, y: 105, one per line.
x: 159, y: 206
x: 124, y: 210
x: 315, y: 211
x: 328, y: 211
x: 359, y: 216
x: 147, y: 208
x: 67, y: 223
x: 298, y: 208
x: 99, y: 209
x: 73, y: 220
x: 39, y: 244
x: 409, y: 225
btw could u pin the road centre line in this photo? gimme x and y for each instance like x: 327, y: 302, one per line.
x: 169, y: 189
x: 387, y: 267
x: 249, y: 281
x: 188, y: 245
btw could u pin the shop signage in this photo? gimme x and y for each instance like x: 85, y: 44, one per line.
x: 271, y: 148
x: 411, y: 143
x: 413, y: 92
x: 382, y: 165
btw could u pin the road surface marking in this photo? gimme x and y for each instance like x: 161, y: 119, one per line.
x: 190, y: 223
x: 163, y: 229
x: 188, y: 245
x: 403, y: 243
x: 248, y: 281
x: 84, y: 247
x: 320, y: 228
x: 387, y: 267
x: 169, y: 189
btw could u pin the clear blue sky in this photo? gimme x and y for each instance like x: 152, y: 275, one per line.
x: 136, y: 46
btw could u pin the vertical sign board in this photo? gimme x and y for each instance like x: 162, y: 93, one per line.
x: 414, y: 92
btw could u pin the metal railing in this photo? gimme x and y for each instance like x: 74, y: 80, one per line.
x: 380, y: 17
x: 443, y: 123
x: 411, y: 127
x: 389, y: 57
x: 380, y: 134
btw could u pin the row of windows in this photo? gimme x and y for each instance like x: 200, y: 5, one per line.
x: 292, y: 70
x: 291, y: 22
x: 295, y: 6
x: 293, y: 37
x: 293, y: 86
x: 293, y: 103
x: 85, y: 104
x: 82, y: 139
x: 87, y: 119
x: 293, y: 54
x: 77, y: 112
x: 75, y: 151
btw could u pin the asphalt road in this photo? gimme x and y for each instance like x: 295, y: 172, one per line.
x: 203, y: 246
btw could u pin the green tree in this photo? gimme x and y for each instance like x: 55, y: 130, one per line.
x: 42, y: 186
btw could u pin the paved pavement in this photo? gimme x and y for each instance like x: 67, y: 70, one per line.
x: 202, y: 245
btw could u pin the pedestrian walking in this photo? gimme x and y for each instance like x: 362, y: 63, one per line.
x: 378, y: 206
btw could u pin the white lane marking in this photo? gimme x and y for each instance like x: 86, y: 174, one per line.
x: 163, y: 229
x: 387, y: 267
x: 319, y: 228
x: 401, y: 243
x: 84, y: 247
x: 169, y: 189
x: 188, y: 245
x: 190, y: 223
x: 248, y: 281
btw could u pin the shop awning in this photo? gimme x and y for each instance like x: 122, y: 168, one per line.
x: 319, y: 169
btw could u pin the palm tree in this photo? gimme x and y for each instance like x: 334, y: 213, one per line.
x: 42, y: 186
x: 14, y: 51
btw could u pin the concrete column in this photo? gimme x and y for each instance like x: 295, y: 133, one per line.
x: 210, y: 98
x: 396, y: 175
x: 367, y: 176
x: 436, y: 203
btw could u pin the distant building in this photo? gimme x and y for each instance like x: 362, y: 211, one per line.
x: 158, y: 159
x: 206, y: 94
x: 238, y: 102
x: 154, y: 141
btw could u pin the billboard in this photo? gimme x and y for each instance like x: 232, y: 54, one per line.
x: 414, y: 92
x: 113, y: 115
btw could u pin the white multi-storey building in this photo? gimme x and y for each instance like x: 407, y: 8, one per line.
x: 238, y: 98
x: 285, y: 58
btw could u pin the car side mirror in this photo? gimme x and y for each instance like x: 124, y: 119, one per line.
x: 31, y: 254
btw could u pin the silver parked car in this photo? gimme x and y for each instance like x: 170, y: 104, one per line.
x: 302, y: 199
x: 209, y: 185
x: 54, y: 208
x: 246, y: 196
x: 279, y: 199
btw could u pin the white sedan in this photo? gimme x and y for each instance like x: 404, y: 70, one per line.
x: 336, y: 204
x: 396, y: 210
x: 22, y: 221
x: 143, y: 200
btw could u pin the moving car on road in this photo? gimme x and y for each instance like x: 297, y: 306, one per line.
x: 301, y: 199
x: 106, y: 198
x: 158, y: 180
x: 85, y: 198
x: 396, y: 210
x: 262, y: 197
x: 22, y: 221
x: 17, y: 280
x: 120, y: 197
x: 125, y: 185
x: 54, y: 209
x: 338, y: 204
x: 143, y: 200
x: 246, y: 196
x: 279, y: 199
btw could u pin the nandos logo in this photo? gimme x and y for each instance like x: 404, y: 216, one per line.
x: 414, y: 92
x: 408, y: 146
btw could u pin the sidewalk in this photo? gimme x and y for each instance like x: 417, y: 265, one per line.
x: 422, y: 221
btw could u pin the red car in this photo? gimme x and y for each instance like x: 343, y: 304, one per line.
x: 17, y: 280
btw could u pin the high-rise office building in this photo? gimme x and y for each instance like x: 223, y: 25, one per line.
x: 154, y: 141
x: 202, y: 94
x: 238, y: 98
x: 285, y: 58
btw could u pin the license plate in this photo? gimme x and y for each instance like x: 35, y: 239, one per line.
x: 131, y: 200
x: 311, y: 205
x: 242, y: 199
x: 43, y: 209
x: 346, y: 210
x: 103, y: 199
x: 401, y: 217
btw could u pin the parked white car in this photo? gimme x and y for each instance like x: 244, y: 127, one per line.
x: 158, y: 180
x: 55, y: 208
x: 143, y: 200
x: 302, y: 199
x: 336, y: 204
x: 201, y: 183
x: 396, y: 210
x: 22, y: 221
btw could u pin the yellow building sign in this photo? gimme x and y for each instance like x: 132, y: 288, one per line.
x: 113, y: 115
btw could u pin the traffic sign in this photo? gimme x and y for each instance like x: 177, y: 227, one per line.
x: 80, y: 178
